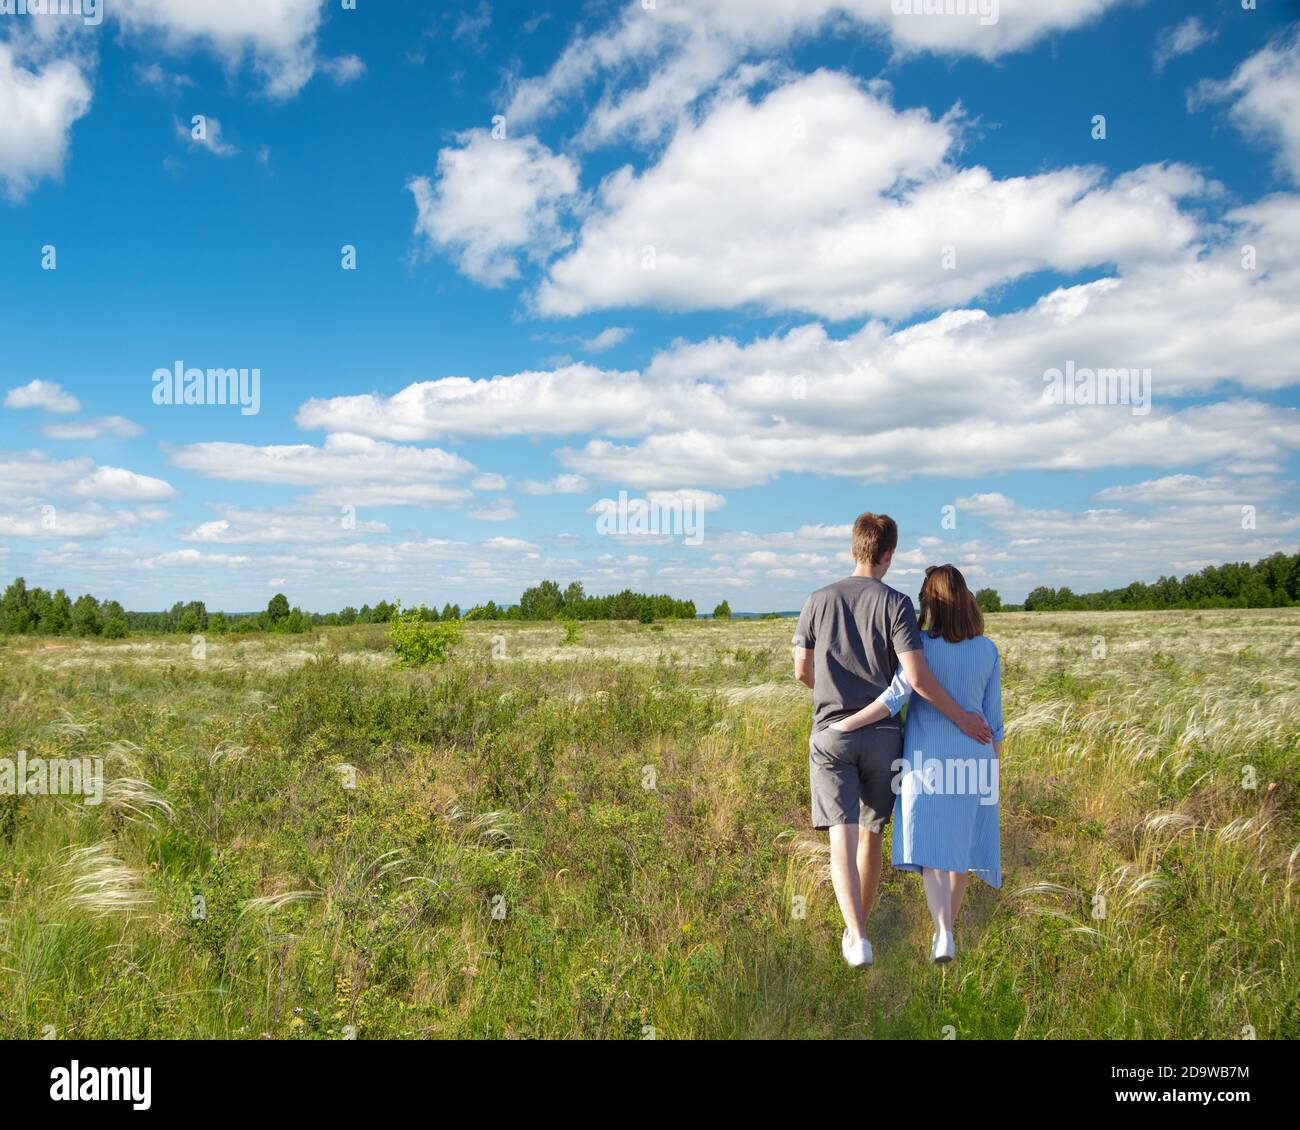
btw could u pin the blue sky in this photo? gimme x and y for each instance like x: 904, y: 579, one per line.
x: 443, y: 422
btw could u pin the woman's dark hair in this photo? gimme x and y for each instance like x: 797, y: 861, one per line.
x: 947, y: 607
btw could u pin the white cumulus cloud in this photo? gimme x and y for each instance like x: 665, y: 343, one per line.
x: 46, y: 395
x: 493, y: 199
x: 687, y: 47
x: 277, y: 37
x: 41, y: 103
x: 120, y: 485
x: 117, y: 426
x: 1264, y: 93
x: 1182, y: 39
x: 823, y: 197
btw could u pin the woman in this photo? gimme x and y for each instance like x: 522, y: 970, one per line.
x: 946, y: 824
x: 946, y: 819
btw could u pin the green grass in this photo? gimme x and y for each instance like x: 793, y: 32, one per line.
x: 501, y: 869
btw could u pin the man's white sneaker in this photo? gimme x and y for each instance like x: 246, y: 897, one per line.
x: 943, y: 949
x: 856, y: 954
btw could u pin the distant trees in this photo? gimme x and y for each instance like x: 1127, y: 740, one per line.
x: 988, y: 600
x: 541, y: 602
x: 488, y: 611
x: 1273, y: 582
x: 37, y: 612
x: 1040, y: 598
x: 56, y: 618
x: 16, y: 617
x: 26, y: 611
x: 547, y: 601
x: 85, y: 617
x: 277, y: 609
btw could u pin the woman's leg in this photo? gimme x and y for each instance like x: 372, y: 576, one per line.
x: 938, y: 896
x: 958, y: 888
x: 844, y: 877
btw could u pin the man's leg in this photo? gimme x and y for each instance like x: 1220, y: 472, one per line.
x: 844, y: 876
x: 882, y: 748
x: 869, y: 869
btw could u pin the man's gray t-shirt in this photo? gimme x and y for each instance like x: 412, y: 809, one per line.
x: 855, y: 628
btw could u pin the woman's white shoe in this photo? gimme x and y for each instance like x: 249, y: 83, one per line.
x: 943, y: 949
x: 858, y: 953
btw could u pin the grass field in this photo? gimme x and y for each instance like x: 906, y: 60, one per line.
x: 608, y: 837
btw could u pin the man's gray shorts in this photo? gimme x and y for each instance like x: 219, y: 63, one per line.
x: 851, y: 775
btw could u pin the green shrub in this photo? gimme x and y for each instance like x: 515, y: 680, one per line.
x: 418, y: 640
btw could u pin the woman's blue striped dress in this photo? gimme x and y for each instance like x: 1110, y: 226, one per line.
x: 946, y: 815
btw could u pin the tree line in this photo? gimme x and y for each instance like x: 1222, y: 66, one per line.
x: 34, y: 611
x: 547, y: 601
x: 1273, y: 582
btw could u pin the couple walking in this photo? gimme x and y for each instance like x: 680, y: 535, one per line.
x: 860, y: 648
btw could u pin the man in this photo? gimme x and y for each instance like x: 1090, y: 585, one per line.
x: 851, y: 638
